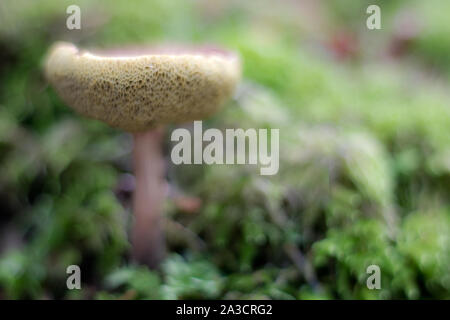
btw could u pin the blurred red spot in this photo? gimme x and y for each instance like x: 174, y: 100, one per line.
x: 344, y: 45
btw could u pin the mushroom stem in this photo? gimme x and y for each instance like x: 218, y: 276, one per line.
x: 147, y: 232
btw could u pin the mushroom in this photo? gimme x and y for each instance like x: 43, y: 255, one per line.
x: 140, y: 90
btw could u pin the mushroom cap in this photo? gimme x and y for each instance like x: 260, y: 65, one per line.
x: 138, y: 89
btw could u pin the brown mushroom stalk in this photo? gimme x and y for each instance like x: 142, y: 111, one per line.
x: 139, y: 91
x: 148, y: 199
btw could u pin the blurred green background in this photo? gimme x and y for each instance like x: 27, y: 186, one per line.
x: 364, y: 119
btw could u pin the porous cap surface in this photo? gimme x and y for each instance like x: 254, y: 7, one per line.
x: 135, y: 90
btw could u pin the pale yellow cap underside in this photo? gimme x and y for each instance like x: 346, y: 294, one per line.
x: 140, y: 91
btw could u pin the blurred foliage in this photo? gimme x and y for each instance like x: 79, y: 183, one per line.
x: 364, y: 178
